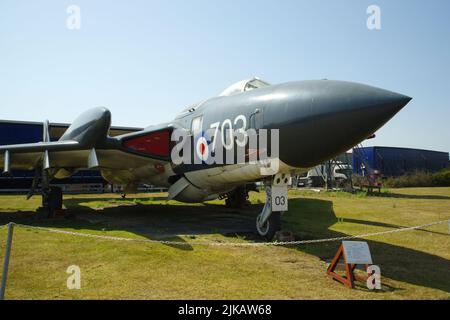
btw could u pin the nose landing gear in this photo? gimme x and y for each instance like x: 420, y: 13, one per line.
x: 268, y: 229
x: 268, y: 222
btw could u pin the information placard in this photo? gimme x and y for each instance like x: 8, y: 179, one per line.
x: 357, y: 252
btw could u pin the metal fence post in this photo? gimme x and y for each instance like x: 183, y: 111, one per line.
x: 6, y: 260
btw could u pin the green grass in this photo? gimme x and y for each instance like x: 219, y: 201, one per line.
x: 414, y: 264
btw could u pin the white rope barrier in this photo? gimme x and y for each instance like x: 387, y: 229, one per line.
x: 233, y: 244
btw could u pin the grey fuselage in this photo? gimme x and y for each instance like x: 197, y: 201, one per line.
x: 317, y: 120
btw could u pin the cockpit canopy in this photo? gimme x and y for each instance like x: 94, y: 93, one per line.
x: 238, y: 87
x: 244, y: 85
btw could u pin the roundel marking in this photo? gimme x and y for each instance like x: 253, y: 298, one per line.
x: 202, y: 148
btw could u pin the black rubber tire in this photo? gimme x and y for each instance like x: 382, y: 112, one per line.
x: 237, y: 199
x: 55, y: 201
x: 57, y: 197
x: 274, y: 225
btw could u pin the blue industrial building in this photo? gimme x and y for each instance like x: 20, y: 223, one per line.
x: 393, y: 161
x: 15, y: 132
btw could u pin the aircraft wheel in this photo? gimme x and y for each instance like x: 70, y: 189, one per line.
x: 237, y: 198
x: 57, y: 198
x: 52, y: 200
x: 272, y: 225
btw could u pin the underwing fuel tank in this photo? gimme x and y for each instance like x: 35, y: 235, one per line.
x: 184, y: 191
x: 90, y: 128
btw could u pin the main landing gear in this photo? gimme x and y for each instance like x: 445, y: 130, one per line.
x: 238, y: 198
x: 52, y: 197
x: 268, y: 222
x: 52, y: 201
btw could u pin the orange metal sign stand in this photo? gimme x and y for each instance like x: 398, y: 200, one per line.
x: 349, y: 278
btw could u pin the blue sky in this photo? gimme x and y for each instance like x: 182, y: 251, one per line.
x: 146, y: 60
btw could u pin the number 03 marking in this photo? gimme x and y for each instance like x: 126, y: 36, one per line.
x: 280, y: 200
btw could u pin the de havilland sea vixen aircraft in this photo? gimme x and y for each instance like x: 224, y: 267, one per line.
x: 314, y: 120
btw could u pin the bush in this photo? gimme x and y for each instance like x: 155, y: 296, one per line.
x: 420, y: 179
x: 358, y: 180
x: 442, y: 178
x: 415, y: 179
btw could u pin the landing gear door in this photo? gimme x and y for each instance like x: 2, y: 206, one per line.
x: 279, y: 192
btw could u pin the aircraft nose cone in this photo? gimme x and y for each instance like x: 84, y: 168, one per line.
x: 335, y: 117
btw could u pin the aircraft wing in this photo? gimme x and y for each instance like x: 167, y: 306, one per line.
x: 26, y: 156
x: 86, y: 145
x: 70, y: 155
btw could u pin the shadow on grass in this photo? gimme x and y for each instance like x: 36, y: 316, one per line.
x: 410, y: 196
x: 152, y: 221
x: 387, y: 225
x: 313, y: 218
